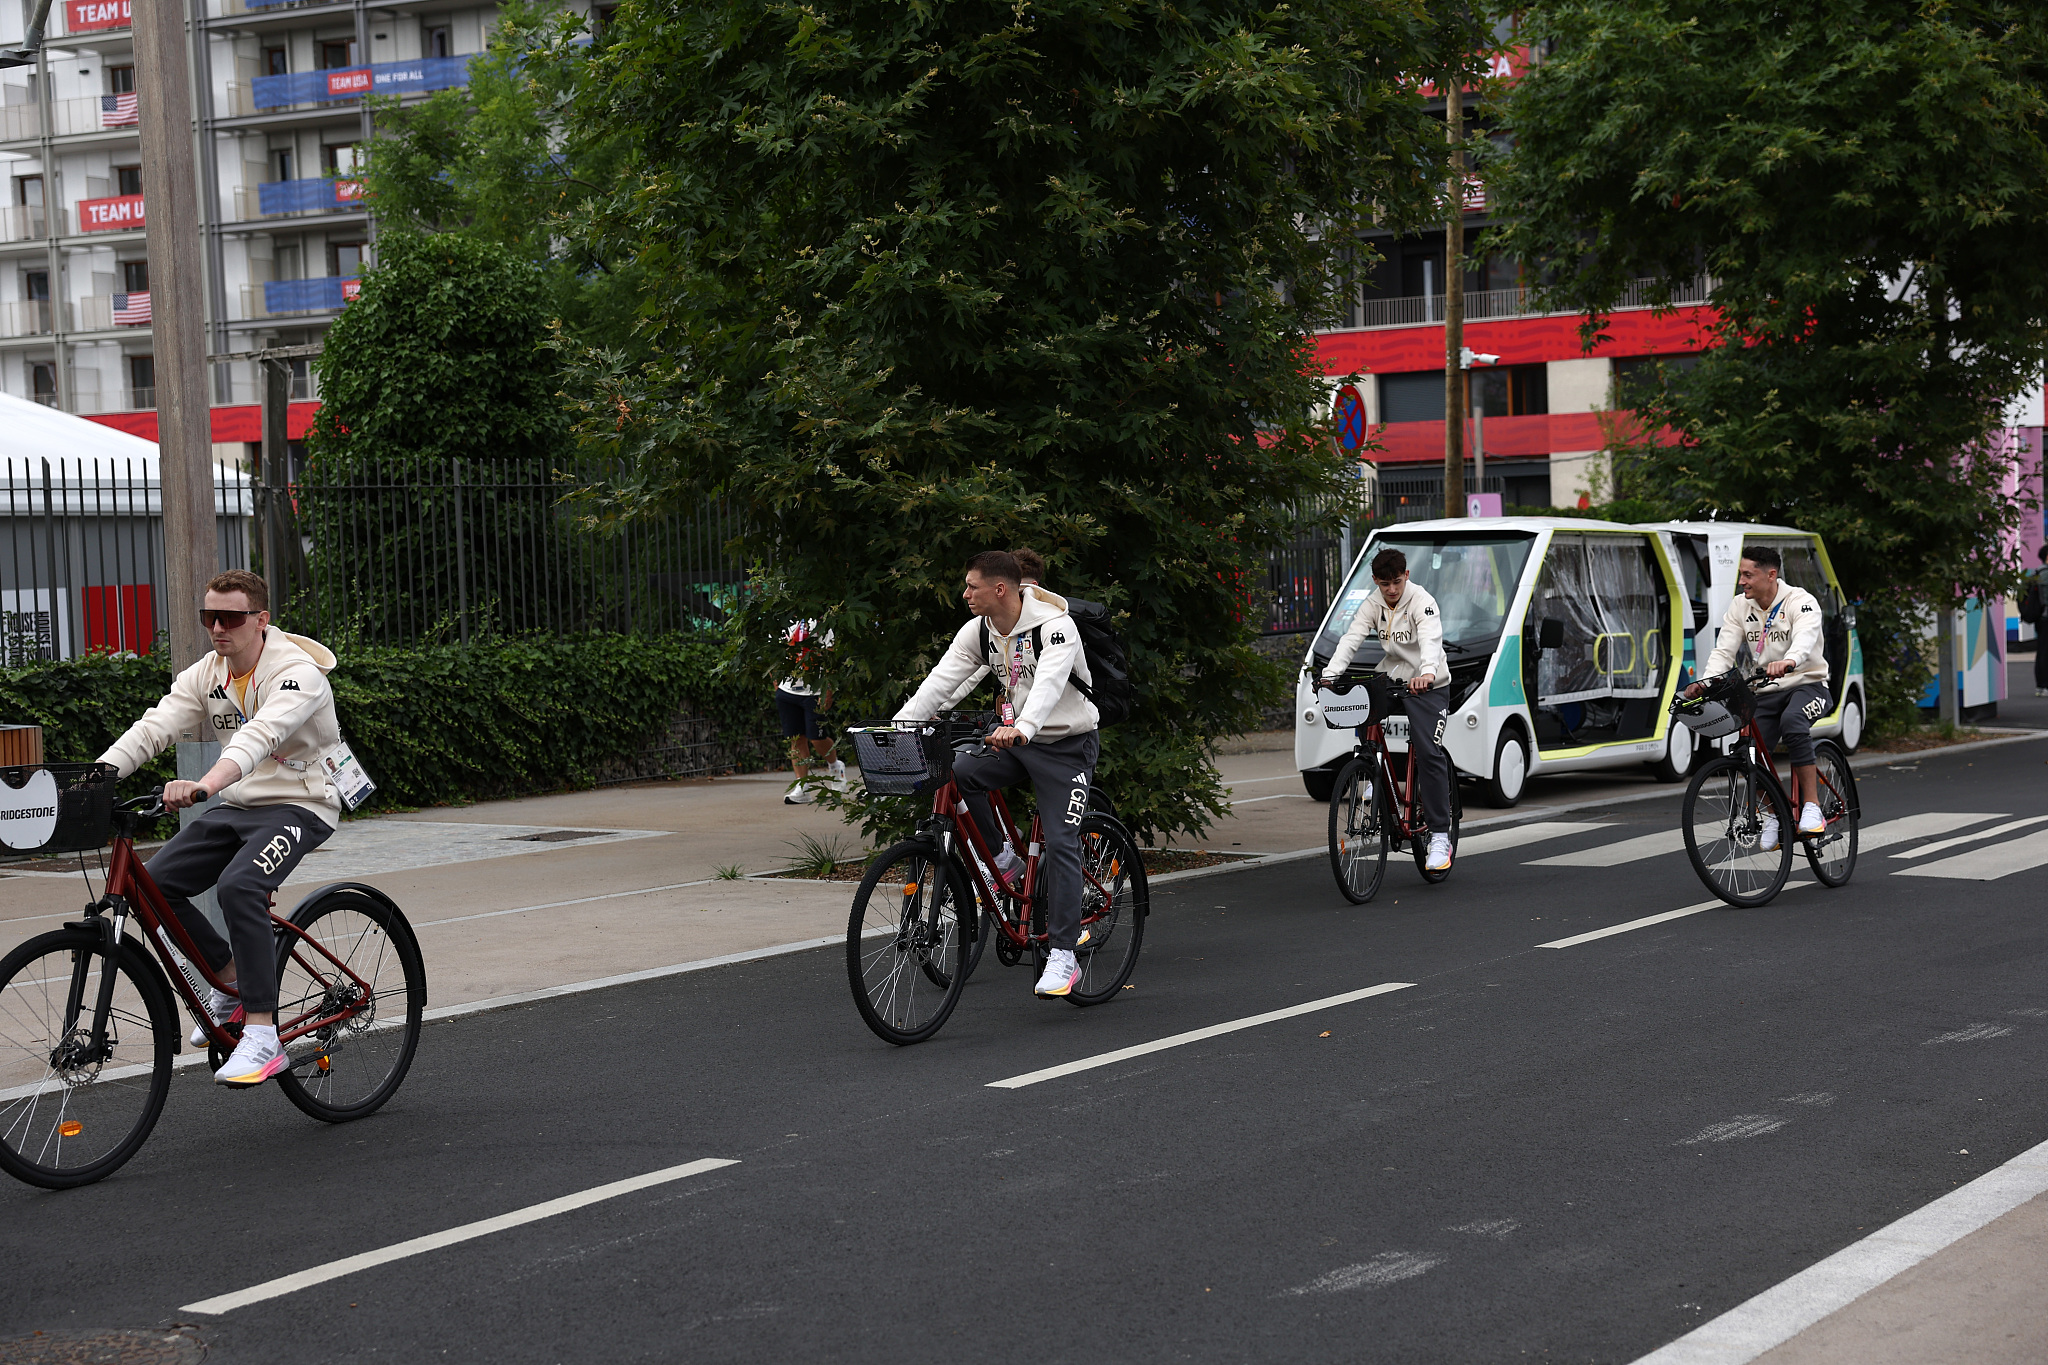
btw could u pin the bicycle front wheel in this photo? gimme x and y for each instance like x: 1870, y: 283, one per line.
x: 72, y: 1110
x: 1359, y: 821
x: 1115, y: 899
x: 1738, y: 832
x: 907, y: 954
x: 346, y: 1069
x: 1833, y: 855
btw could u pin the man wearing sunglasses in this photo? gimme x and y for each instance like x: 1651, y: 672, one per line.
x: 263, y: 695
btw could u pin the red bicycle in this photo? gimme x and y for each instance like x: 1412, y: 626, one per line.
x: 1375, y: 804
x: 931, y: 904
x: 88, y: 1026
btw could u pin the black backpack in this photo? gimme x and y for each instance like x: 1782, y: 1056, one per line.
x: 2030, y: 603
x: 1112, y: 691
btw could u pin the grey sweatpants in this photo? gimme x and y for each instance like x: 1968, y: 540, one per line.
x: 245, y: 855
x: 1060, y: 771
x: 1790, y: 716
x: 1427, y: 713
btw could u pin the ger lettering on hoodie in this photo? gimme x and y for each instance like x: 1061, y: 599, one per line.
x: 1045, y: 706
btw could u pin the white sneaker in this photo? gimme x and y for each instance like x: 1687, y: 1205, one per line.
x: 223, y: 1009
x: 1811, y: 821
x: 1439, y: 852
x: 838, y: 772
x: 257, y: 1058
x: 1062, y: 970
x: 1767, y: 837
x: 799, y: 793
x: 1009, y: 870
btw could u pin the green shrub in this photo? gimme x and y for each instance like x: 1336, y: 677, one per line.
x: 438, y: 723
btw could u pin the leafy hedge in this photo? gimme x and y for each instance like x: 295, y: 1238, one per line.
x: 438, y: 723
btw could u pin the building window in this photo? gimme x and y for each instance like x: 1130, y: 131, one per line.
x: 128, y: 179
x: 440, y: 42
x: 28, y: 189
x: 276, y: 62
x: 35, y: 285
x: 142, y: 381
x: 342, y: 158
x: 302, y: 391
x: 338, y: 53
x: 346, y: 258
x: 1412, y: 397
x: 287, y: 258
x: 1513, y: 390
x: 42, y: 382
x: 121, y: 80
x: 281, y: 163
x: 135, y: 277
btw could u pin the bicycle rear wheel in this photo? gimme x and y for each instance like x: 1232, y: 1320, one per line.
x: 345, y: 1070
x: 1832, y: 855
x: 1115, y: 899
x: 1419, y: 845
x: 71, y: 1113
x: 1359, y: 836
x: 906, y: 954
x: 1726, y: 807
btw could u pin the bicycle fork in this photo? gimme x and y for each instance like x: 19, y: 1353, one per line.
x: 72, y: 1052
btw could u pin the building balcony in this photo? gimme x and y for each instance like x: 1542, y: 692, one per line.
x: 349, y: 84
x: 277, y: 197
x: 92, y: 114
x: 1489, y: 304
x: 322, y: 294
x: 28, y: 318
x: 28, y: 223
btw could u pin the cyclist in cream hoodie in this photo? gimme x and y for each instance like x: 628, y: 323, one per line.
x: 264, y: 695
x: 1404, y: 617
x: 1778, y: 626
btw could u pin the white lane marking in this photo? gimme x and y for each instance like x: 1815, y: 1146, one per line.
x: 1925, y: 825
x: 1248, y: 781
x: 1971, y: 1034
x: 556, y: 905
x: 1988, y: 864
x: 1944, y: 845
x: 1613, y: 855
x: 1497, y: 1228
x: 1536, y: 831
x: 1283, y: 796
x: 1729, y: 1130
x: 434, y: 1241
x: 1389, y: 1267
x: 1783, y: 1311
x: 1646, y: 921
x: 1193, y: 1036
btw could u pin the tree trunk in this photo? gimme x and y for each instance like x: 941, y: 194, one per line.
x: 1454, y: 307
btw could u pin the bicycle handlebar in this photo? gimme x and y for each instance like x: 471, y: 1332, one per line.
x: 153, y: 804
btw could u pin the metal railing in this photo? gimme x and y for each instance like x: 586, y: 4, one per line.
x: 1484, y: 304
x: 82, y: 553
x: 21, y: 122
x: 26, y: 318
x: 398, y: 551
x: 27, y: 223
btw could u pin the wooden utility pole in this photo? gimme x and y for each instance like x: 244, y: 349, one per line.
x: 177, y: 300
x: 1455, y: 404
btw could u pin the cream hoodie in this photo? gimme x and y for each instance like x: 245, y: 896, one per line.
x: 1410, y: 631
x: 1046, y: 707
x: 1794, y: 635
x: 278, y: 745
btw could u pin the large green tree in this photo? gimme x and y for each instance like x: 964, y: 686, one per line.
x: 1866, y: 181
x: 928, y: 278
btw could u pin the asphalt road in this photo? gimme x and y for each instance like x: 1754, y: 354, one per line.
x: 1568, y: 1153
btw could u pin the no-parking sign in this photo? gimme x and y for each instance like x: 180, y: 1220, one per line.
x: 1350, y: 414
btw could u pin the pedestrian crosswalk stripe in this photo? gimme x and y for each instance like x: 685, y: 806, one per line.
x: 1988, y: 864
x: 1514, y: 836
x: 2009, y: 827
x: 1613, y: 855
x: 1925, y: 825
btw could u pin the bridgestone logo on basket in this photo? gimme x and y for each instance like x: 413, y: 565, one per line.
x: 30, y: 813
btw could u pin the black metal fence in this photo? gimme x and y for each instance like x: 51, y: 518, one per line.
x: 403, y: 551
x: 82, y: 553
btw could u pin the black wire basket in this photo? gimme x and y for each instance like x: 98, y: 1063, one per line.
x: 1724, y: 707
x: 1383, y: 693
x: 56, y: 807
x: 914, y: 758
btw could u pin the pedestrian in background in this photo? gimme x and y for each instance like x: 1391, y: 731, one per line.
x: 2033, y: 599
x: 1033, y: 566
x: 797, y: 704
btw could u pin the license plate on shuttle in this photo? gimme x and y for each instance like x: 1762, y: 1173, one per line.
x: 1396, y: 729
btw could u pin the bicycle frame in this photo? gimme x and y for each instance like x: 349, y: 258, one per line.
x: 1754, y: 754
x: 131, y: 890
x: 951, y: 816
x: 1407, y: 814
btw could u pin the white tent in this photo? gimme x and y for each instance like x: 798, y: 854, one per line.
x: 88, y: 468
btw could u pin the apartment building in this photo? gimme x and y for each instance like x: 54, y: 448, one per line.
x: 278, y: 107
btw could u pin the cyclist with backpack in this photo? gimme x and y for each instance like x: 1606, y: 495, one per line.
x: 1034, y: 647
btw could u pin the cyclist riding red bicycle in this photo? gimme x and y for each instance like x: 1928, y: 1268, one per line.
x: 1048, y: 735
x: 1779, y: 625
x: 1405, y: 618
x: 264, y: 694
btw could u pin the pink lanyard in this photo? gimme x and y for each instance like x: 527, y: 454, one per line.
x: 1016, y: 670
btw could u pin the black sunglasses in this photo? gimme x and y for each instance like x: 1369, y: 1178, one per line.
x: 231, y: 619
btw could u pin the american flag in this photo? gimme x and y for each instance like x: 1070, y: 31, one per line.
x: 131, y: 310
x: 117, y: 111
